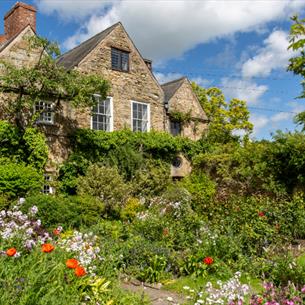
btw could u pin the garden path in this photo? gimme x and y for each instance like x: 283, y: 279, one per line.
x: 156, y: 295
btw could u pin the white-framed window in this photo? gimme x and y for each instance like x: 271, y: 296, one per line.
x: 46, y: 112
x: 140, y: 116
x: 102, y: 114
x: 47, y: 188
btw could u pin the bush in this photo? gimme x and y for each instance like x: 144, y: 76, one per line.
x: 152, y: 178
x: 201, y: 188
x: 19, y: 180
x: 69, y: 212
x: 106, y: 184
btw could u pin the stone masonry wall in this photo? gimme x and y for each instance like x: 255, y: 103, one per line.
x: 184, y: 100
x: 136, y: 85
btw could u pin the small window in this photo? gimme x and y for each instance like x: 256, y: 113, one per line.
x: 175, y: 128
x: 46, y: 112
x: 102, y: 118
x: 140, y: 117
x: 119, y: 60
x: 47, y: 189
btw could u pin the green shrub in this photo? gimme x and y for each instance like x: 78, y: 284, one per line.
x: 152, y: 178
x: 201, y: 188
x: 19, y: 180
x: 28, y: 146
x: 68, y: 212
x: 106, y: 184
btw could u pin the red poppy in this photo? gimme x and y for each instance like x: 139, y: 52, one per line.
x: 208, y: 260
x: 260, y: 301
x: 47, y: 248
x: 11, y: 252
x: 80, y: 271
x: 261, y: 214
x: 56, y: 232
x: 72, y: 263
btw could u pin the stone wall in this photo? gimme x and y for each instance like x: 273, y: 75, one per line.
x: 185, y: 101
x: 136, y: 85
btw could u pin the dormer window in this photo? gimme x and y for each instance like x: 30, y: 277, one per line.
x: 119, y: 60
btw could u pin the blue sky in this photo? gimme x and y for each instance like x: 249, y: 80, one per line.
x: 239, y: 45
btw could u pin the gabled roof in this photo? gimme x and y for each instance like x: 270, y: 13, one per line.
x: 170, y: 88
x: 8, y: 42
x: 73, y: 57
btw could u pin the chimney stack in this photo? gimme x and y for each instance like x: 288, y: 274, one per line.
x: 19, y: 17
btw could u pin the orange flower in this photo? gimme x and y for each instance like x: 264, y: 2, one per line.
x: 11, y: 252
x: 56, y: 232
x: 80, y: 271
x: 47, y: 248
x: 72, y: 263
x: 208, y: 260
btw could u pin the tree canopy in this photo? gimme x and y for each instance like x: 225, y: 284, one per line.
x: 228, y: 118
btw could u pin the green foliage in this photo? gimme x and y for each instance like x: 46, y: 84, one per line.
x: 43, y: 278
x: 27, y: 85
x: 18, y: 180
x: 151, y: 179
x: 96, y: 145
x: 297, y: 43
x: 107, y: 185
x: 68, y: 212
x: 9, y: 139
x: 132, y: 207
x: 286, y: 269
x: 133, y: 154
x: 36, y: 148
x: 201, y: 188
x: 181, y: 117
x: 225, y: 117
x: 28, y: 146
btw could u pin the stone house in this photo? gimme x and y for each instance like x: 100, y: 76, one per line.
x: 136, y: 99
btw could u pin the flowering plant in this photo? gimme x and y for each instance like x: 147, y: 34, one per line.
x: 231, y: 292
x: 289, y: 295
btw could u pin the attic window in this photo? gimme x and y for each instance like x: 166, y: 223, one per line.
x: 119, y: 60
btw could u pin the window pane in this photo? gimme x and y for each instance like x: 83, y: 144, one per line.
x: 115, y: 58
x: 125, y: 61
x: 101, y: 116
x: 140, y: 117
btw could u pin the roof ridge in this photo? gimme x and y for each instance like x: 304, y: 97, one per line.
x: 89, y: 39
x: 174, y: 81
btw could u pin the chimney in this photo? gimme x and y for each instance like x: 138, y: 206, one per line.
x: 19, y: 17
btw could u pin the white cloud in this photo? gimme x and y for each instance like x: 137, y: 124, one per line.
x: 203, y: 82
x: 273, y: 55
x: 281, y: 116
x: 243, y: 89
x: 167, y: 29
x: 71, y: 9
x: 165, y: 78
x: 259, y: 122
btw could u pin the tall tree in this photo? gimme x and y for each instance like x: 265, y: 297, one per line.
x: 297, y: 63
x: 23, y: 87
x: 228, y: 118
